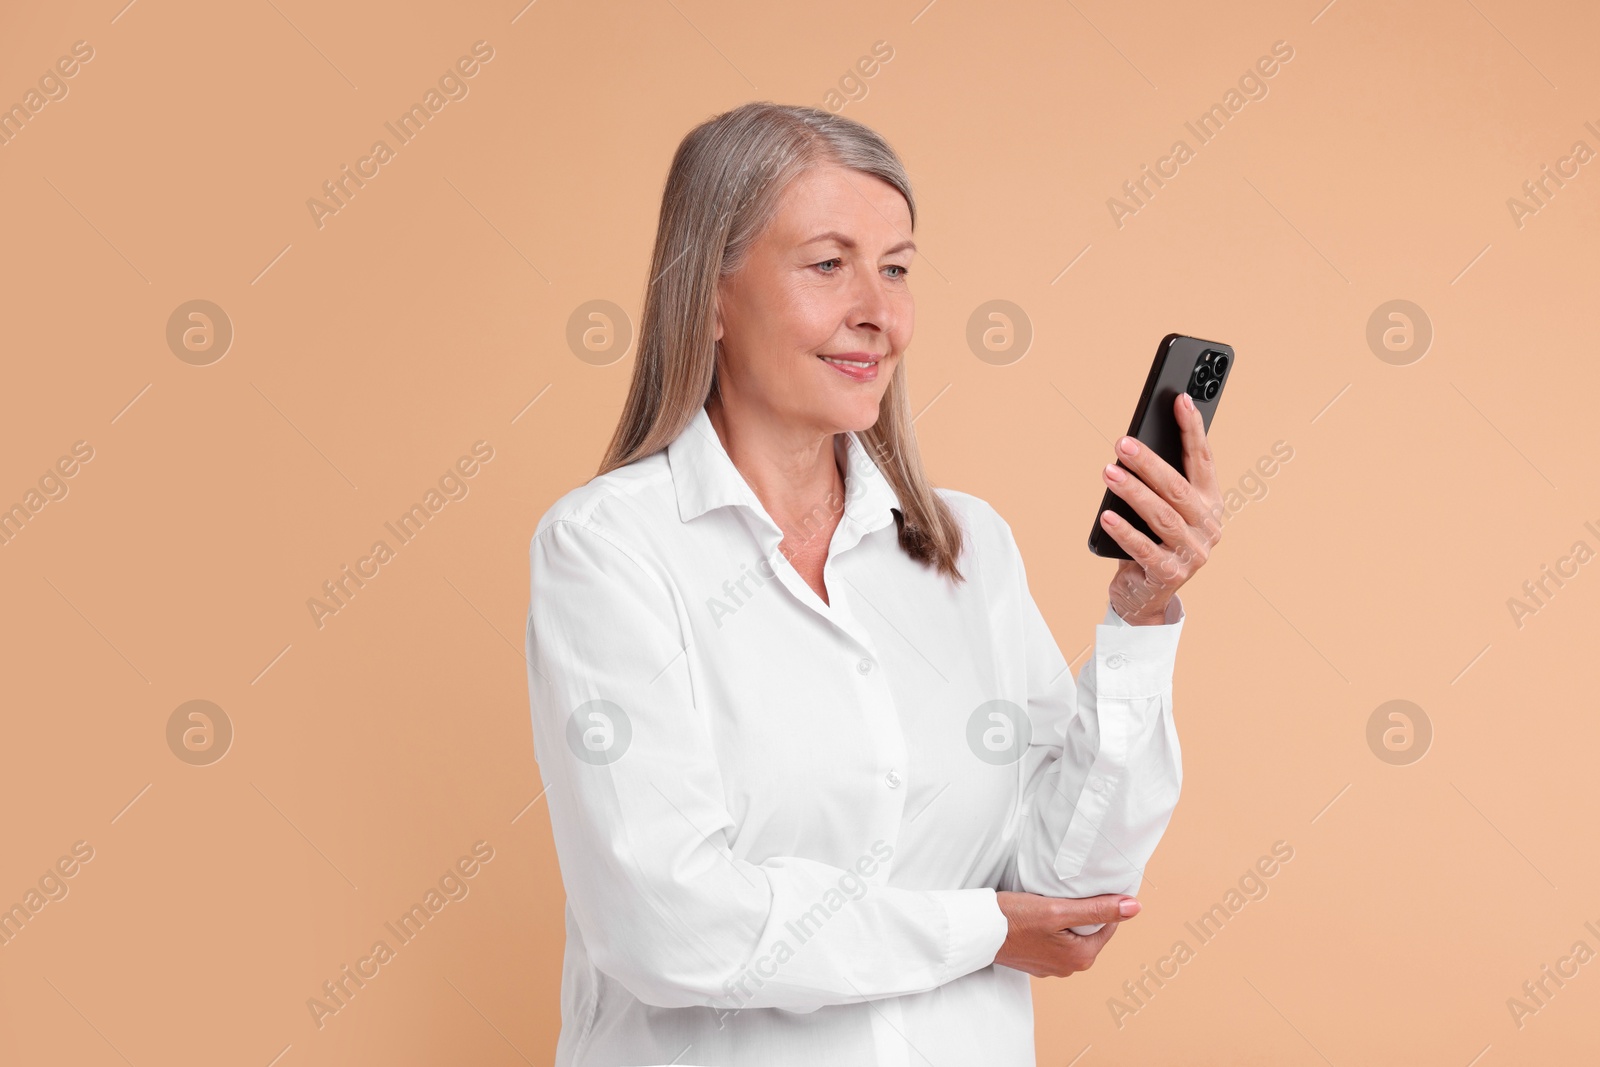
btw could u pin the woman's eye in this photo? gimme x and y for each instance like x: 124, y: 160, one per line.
x: 839, y: 260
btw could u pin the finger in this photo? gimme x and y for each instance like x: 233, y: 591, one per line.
x: 1200, y: 467
x: 1161, y: 476
x: 1105, y: 908
x: 1198, y: 464
x: 1144, y: 551
x: 1164, y: 519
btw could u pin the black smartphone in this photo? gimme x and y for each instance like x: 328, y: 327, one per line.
x: 1182, y: 365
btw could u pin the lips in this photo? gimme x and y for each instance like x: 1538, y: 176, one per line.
x: 861, y: 366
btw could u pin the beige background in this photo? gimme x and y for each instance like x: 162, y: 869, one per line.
x: 431, y: 311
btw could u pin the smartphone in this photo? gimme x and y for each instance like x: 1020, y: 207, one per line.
x: 1182, y: 364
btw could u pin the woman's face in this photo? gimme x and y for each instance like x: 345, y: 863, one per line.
x: 827, y: 278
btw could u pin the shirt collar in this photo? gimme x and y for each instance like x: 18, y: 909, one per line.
x: 704, y: 478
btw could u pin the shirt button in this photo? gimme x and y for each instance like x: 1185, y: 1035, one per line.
x: 865, y: 666
x: 893, y: 777
x: 1115, y: 660
x: 1097, y: 784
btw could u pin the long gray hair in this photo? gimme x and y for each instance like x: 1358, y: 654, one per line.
x: 722, y: 189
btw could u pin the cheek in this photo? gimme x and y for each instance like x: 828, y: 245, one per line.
x: 808, y: 320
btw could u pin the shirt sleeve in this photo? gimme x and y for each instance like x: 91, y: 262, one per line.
x: 1103, y: 768
x: 642, y: 832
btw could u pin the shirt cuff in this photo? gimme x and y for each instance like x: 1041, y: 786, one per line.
x: 1137, y: 661
x: 975, y: 927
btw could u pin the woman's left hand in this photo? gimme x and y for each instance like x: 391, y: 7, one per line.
x: 1184, y: 512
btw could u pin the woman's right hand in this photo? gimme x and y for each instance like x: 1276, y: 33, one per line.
x: 1039, y: 940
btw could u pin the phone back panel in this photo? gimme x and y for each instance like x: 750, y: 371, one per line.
x: 1155, y: 425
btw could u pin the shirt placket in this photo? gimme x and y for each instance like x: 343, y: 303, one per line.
x: 857, y: 656
x: 881, y: 731
x: 885, y: 736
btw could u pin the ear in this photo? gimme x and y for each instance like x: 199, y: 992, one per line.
x: 716, y: 306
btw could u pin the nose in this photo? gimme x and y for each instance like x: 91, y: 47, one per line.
x: 871, y: 307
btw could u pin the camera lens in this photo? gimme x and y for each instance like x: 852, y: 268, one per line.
x: 1221, y: 364
x: 1211, y: 389
x: 1202, y: 374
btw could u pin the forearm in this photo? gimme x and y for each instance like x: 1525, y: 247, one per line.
x: 1094, y: 814
x: 789, y: 933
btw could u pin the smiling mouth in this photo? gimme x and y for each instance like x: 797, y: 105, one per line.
x: 859, y: 364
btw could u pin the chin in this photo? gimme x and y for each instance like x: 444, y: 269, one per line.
x: 860, y: 416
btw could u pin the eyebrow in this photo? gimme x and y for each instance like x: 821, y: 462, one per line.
x: 835, y: 235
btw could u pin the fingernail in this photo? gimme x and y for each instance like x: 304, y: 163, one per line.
x: 1188, y: 401
x: 1114, y: 472
x: 1128, y: 446
x: 1128, y: 907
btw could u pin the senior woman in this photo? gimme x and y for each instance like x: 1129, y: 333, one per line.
x: 822, y: 787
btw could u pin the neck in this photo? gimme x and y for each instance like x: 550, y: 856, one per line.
x: 795, y: 471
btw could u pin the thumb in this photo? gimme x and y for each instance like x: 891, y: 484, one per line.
x: 1106, y: 908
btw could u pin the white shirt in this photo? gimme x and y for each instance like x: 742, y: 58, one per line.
x: 781, y: 823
